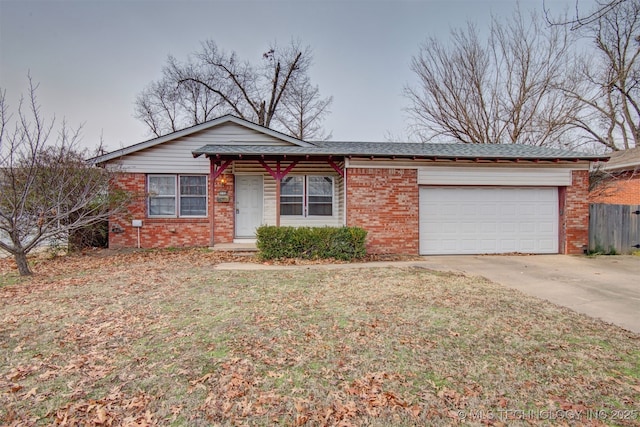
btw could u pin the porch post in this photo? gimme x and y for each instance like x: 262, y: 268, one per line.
x: 278, y: 179
x: 212, y: 204
x: 278, y: 201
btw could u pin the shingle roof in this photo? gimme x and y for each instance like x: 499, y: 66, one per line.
x: 399, y: 149
x: 296, y: 147
x: 624, y: 160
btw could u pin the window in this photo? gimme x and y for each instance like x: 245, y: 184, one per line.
x: 306, y: 195
x: 292, y: 195
x: 320, y: 195
x: 193, y: 195
x: 190, y: 196
x: 162, y: 195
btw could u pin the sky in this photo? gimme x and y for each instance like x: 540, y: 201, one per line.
x: 92, y: 58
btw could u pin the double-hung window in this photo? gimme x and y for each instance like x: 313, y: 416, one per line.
x: 177, y: 195
x: 292, y: 195
x: 302, y: 195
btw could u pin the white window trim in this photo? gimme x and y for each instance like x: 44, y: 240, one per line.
x: 177, y: 195
x: 305, y: 198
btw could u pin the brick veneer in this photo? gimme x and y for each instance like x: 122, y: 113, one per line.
x: 385, y: 203
x: 574, y: 219
x: 623, y: 189
x: 155, y: 232
x: 224, y: 227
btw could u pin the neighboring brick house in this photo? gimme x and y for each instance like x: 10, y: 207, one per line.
x: 216, y: 182
x: 617, y: 182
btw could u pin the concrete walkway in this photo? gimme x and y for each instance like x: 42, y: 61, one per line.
x: 605, y: 287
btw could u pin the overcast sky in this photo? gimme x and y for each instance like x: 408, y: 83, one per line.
x: 92, y: 58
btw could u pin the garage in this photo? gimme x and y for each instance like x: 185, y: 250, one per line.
x: 488, y: 220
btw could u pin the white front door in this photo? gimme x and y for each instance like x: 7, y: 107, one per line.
x: 248, y: 205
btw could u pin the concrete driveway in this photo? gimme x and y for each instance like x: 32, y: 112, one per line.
x: 605, y: 287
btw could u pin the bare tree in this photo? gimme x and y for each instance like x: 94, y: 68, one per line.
x: 214, y: 82
x: 47, y: 190
x: 609, y: 89
x: 166, y: 106
x: 579, y: 18
x: 501, y: 91
x: 303, y: 110
x: 157, y: 106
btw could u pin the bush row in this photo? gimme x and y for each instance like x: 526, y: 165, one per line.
x: 343, y: 243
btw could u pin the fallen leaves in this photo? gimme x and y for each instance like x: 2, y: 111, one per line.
x: 159, y: 337
x: 114, y: 409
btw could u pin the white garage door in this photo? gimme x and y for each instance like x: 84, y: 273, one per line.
x: 488, y: 220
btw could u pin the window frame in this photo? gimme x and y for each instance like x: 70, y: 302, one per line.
x: 308, y: 195
x: 291, y: 195
x: 305, y: 197
x: 180, y: 196
x: 177, y: 196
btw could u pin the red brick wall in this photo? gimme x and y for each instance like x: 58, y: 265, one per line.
x: 224, y: 227
x: 624, y: 189
x: 382, y: 201
x: 155, y: 232
x: 574, y: 218
x: 385, y: 203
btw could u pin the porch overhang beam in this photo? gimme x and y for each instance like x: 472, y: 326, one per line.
x: 335, y: 167
x: 217, y: 171
x: 278, y: 174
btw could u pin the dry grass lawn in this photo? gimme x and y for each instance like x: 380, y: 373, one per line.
x: 160, y: 338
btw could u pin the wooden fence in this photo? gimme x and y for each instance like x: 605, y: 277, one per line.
x: 614, y: 228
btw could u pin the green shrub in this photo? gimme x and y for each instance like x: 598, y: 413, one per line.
x: 343, y: 243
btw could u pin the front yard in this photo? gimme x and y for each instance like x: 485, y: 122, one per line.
x: 160, y: 338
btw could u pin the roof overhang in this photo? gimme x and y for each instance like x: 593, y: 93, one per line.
x: 393, y: 151
x: 195, y: 129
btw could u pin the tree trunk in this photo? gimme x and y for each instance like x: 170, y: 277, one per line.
x: 23, y: 264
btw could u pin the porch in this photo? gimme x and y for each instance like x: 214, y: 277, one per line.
x: 244, y: 248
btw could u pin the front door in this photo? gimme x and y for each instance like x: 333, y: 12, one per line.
x: 248, y: 205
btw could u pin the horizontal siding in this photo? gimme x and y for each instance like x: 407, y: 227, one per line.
x: 231, y: 134
x: 175, y: 156
x: 340, y: 200
x: 166, y: 158
x: 494, y: 176
x: 269, y: 197
x: 303, y: 168
x: 309, y: 222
